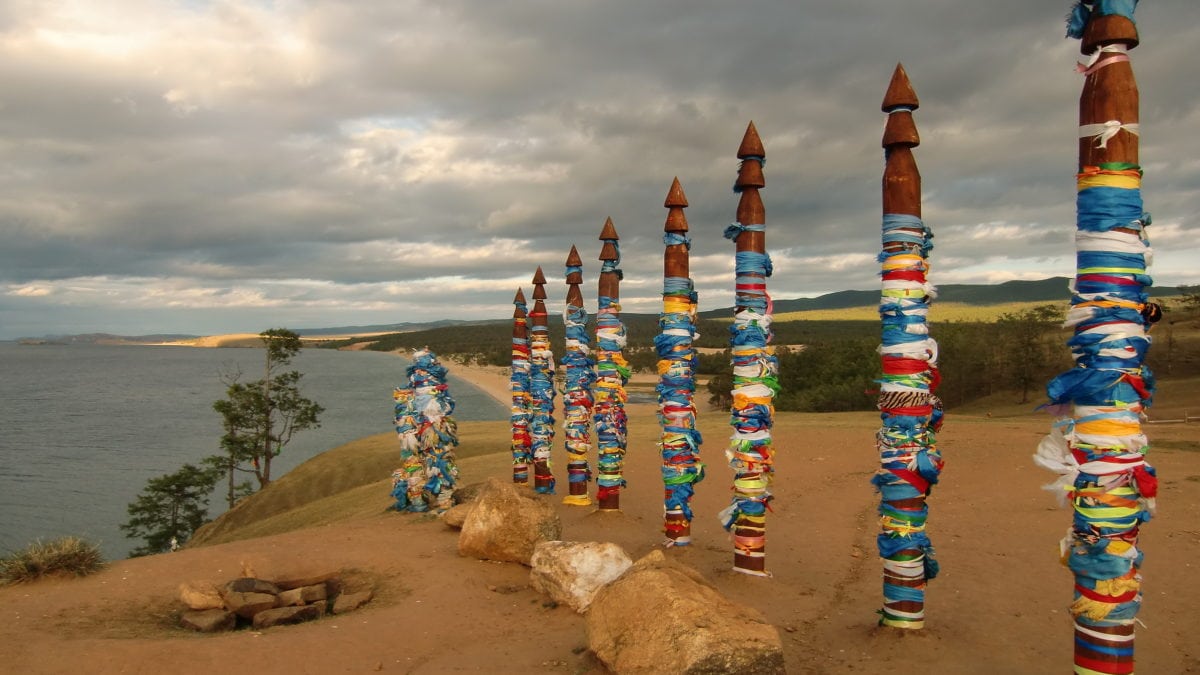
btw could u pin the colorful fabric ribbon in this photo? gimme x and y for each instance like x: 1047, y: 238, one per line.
x: 677, y: 362
x: 428, y: 435
x: 541, y: 388
x: 612, y: 374
x: 909, y: 460
x: 580, y: 374
x: 755, y: 383
x: 521, y: 399
x: 1096, y: 445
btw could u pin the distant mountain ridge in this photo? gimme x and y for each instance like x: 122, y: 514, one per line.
x: 1053, y: 289
x: 403, y: 327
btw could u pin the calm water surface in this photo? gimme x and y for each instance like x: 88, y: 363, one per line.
x: 83, y: 427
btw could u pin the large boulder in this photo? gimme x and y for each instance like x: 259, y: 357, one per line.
x: 507, y: 523
x: 200, y: 595
x: 663, y: 617
x: 572, y: 573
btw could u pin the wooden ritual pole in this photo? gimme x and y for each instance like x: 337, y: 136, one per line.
x: 1097, y: 444
x: 681, y: 467
x: 612, y: 374
x: 580, y: 373
x: 755, y: 369
x: 541, y: 389
x: 519, y: 385
x: 909, y: 461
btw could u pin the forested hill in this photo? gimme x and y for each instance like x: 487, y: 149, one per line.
x: 1054, y: 289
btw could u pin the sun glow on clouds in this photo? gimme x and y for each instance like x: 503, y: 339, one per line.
x: 427, y: 255
x: 388, y: 155
x: 200, y: 57
x: 29, y: 291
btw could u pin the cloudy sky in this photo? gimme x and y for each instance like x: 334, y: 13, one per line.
x: 203, y: 167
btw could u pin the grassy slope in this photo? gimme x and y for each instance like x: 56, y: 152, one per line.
x: 340, y: 483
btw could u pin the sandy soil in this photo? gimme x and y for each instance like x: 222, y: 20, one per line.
x: 999, y: 605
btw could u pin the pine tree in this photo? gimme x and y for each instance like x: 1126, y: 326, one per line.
x: 170, y: 509
x: 261, y: 417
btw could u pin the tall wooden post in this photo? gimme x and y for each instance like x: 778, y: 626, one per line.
x: 541, y: 389
x: 909, y: 461
x: 681, y: 466
x: 612, y: 374
x: 577, y: 387
x: 519, y: 384
x: 755, y: 369
x: 1097, y: 444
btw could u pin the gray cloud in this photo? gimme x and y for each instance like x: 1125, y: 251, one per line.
x: 229, y: 165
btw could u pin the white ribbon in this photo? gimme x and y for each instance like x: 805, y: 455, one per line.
x: 1103, y: 131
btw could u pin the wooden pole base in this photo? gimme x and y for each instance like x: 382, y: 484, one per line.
x: 543, y: 480
x: 678, y: 529
x: 609, y: 502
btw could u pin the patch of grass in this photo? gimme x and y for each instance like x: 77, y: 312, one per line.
x: 65, y: 556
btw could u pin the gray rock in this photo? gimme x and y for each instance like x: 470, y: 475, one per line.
x: 348, y: 602
x: 506, y: 524
x: 246, y: 605
x: 281, y: 616
x: 305, y: 595
x: 466, y: 493
x: 208, y: 620
x: 663, y: 617
x: 199, y: 595
x: 572, y: 573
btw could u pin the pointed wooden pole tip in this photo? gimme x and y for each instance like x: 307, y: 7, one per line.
x: 609, y: 232
x: 520, y: 297
x: 900, y: 93
x: 751, y: 144
x: 573, y: 259
x: 538, y: 276
x: 675, y: 196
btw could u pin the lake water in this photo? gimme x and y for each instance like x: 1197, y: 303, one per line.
x: 83, y: 427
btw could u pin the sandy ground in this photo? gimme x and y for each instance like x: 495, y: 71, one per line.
x: 999, y: 605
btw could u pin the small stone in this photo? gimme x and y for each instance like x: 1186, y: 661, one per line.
x: 281, y: 616
x: 208, y: 620
x: 347, y: 602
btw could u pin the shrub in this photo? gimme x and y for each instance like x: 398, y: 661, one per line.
x: 59, y: 557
